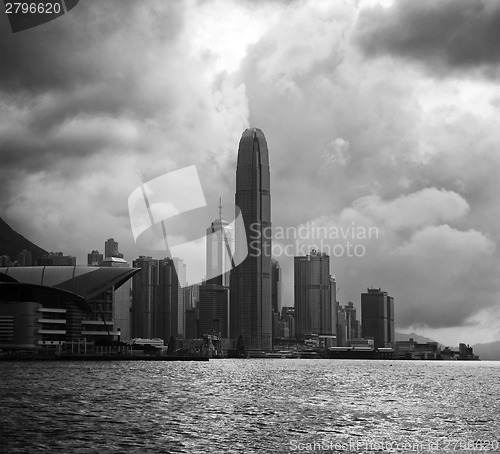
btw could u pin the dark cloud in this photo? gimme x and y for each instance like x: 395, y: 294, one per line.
x: 78, y: 86
x: 78, y: 47
x: 444, y: 35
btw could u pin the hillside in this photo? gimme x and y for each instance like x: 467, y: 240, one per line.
x: 489, y: 351
x: 11, y: 243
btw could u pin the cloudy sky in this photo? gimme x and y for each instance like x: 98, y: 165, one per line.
x: 377, y: 114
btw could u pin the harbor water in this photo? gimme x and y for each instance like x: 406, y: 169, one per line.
x: 249, y: 406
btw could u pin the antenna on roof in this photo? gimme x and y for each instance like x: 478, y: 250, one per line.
x: 220, y: 208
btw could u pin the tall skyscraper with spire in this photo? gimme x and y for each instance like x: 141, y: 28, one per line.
x: 250, y: 282
x: 219, y: 250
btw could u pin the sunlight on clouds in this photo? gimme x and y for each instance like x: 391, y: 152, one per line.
x: 426, y: 207
x: 221, y: 31
x: 456, y: 97
x: 372, y: 3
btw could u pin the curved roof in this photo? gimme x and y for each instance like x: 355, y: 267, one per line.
x: 15, y: 291
x: 252, y: 150
x: 84, y: 281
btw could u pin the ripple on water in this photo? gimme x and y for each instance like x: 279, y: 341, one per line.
x: 241, y: 405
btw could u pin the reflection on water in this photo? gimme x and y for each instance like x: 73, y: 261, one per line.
x: 259, y: 405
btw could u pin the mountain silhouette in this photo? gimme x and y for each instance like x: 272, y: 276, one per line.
x: 489, y: 351
x: 12, y: 243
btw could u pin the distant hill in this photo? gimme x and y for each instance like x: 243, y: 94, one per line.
x: 11, y: 243
x: 489, y: 351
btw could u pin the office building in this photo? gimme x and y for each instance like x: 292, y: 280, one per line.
x: 213, y: 304
x: 158, y: 299
x: 333, y: 305
x: 377, y: 317
x: 168, y: 302
x: 250, y: 296
x: 179, y: 276
x: 219, y: 239
x: 144, y: 285
x: 276, y: 286
x: 213, y: 314
x: 313, y: 295
x: 288, y: 316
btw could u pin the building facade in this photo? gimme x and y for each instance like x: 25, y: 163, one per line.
x: 219, y: 246
x: 213, y: 313
x: 56, y: 259
x: 121, y: 301
x: 313, y: 295
x: 143, y: 297
x: 377, y: 317
x: 94, y: 258
x: 53, y: 306
x: 158, y: 299
x: 111, y: 249
x: 250, y: 295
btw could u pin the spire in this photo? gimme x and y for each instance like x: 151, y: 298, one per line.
x: 220, y: 208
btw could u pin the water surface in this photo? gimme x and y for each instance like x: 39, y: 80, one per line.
x: 247, y: 406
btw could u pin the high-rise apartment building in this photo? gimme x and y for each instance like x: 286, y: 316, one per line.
x: 250, y: 296
x: 377, y: 317
x: 56, y: 259
x: 24, y: 258
x: 94, y: 258
x: 313, y: 295
x: 111, y: 249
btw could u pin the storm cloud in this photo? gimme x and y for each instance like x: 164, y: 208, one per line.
x: 445, y: 35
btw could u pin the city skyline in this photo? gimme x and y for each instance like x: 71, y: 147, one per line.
x: 367, y: 130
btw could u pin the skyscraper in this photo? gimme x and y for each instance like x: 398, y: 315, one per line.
x: 377, y: 317
x: 214, y: 293
x: 94, y: 258
x: 111, y: 249
x: 213, y: 310
x: 158, y: 298
x: 144, y: 285
x: 250, y: 298
x: 219, y: 242
x: 313, y: 294
x: 180, y: 272
x: 169, y: 299
x: 276, y: 286
x: 121, y: 299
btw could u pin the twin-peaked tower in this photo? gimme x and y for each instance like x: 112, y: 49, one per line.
x: 250, y: 282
